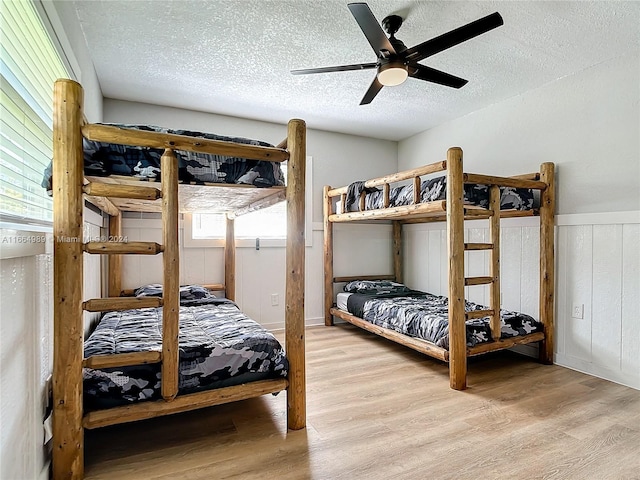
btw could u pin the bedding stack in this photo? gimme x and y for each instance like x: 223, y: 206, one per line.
x: 435, y: 189
x: 105, y: 159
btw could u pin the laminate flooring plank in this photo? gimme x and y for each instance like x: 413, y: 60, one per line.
x: 380, y: 411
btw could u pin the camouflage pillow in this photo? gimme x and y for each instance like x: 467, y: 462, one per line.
x: 187, y: 292
x: 375, y: 287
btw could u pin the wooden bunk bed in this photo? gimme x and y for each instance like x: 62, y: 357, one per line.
x: 454, y: 212
x: 70, y: 190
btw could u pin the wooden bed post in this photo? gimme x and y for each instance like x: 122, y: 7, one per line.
x: 397, y: 250
x: 115, y: 261
x: 68, y: 176
x: 328, y: 256
x: 494, y: 262
x: 230, y: 260
x: 547, y: 269
x: 171, y: 265
x: 294, y: 310
x: 455, y: 241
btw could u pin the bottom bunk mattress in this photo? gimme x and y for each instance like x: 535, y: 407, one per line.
x: 425, y: 316
x: 219, y: 347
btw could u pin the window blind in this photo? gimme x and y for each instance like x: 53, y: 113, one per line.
x: 29, y: 65
x: 269, y: 222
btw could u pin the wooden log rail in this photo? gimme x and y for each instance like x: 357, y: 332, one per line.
x: 352, y: 278
x: 159, y: 140
x: 122, y: 359
x: 395, y: 177
x: 527, y: 180
x: 121, y: 191
x: 214, y: 287
x: 111, y: 304
x: 119, y: 248
x: 514, y: 182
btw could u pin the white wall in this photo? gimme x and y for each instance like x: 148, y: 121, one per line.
x: 337, y: 160
x: 588, y: 125
x: 26, y: 345
x: 26, y: 310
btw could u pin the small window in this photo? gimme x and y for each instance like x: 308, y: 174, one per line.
x: 269, y: 224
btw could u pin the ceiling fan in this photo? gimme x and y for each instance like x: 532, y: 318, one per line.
x: 395, y: 61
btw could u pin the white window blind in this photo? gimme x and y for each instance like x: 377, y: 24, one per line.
x: 269, y: 222
x: 29, y: 66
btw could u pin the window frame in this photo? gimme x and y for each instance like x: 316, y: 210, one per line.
x: 52, y: 25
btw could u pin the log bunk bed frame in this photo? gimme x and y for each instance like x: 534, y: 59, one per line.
x: 454, y: 212
x: 71, y: 189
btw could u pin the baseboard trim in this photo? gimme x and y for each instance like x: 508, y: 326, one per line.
x: 589, y: 368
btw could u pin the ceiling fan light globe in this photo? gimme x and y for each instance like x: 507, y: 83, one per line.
x: 392, y: 75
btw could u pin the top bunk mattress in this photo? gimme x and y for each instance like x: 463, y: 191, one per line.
x: 106, y: 159
x: 219, y: 346
x: 435, y: 189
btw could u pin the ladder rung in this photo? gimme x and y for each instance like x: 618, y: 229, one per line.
x: 121, y: 359
x: 479, y: 212
x: 118, y: 248
x: 121, y: 191
x: 478, y: 280
x: 478, y: 246
x: 120, y: 303
x: 479, y: 314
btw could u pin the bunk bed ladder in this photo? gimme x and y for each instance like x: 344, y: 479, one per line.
x: 170, y: 302
x: 493, y: 279
x: 456, y: 213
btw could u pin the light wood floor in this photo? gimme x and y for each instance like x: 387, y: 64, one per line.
x: 377, y: 410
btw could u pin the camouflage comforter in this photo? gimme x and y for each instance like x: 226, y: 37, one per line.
x: 426, y: 316
x: 103, y: 159
x: 436, y: 189
x: 219, y: 346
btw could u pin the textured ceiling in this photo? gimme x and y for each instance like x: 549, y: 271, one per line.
x: 233, y: 57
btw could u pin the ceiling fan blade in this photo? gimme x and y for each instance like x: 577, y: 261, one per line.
x: 429, y: 74
x: 339, y: 68
x: 374, y: 88
x: 371, y: 28
x: 454, y: 37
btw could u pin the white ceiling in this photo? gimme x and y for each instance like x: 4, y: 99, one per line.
x: 233, y: 57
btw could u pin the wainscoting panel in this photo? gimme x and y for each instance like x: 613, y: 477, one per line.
x: 597, y: 278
